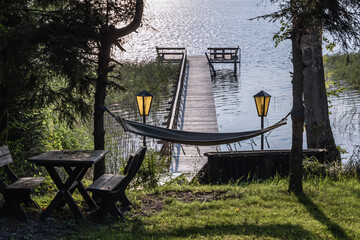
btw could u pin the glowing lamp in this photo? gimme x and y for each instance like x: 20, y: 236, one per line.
x: 262, y: 102
x: 144, y: 100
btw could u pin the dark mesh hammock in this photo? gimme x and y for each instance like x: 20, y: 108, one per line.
x: 190, y: 138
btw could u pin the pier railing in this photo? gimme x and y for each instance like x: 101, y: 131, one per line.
x: 175, y: 104
x: 212, y: 69
x: 174, y: 54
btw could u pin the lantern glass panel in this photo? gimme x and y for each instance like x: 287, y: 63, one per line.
x: 259, y: 101
x: 147, y: 101
x: 267, y: 104
x: 262, y: 105
x: 139, y: 100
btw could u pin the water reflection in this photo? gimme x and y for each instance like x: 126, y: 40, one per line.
x: 199, y: 24
x: 346, y: 120
x: 225, y: 86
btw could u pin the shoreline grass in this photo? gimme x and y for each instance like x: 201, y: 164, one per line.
x: 344, y: 68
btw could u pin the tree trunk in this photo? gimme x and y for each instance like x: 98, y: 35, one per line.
x: 4, y: 98
x: 109, y: 36
x: 297, y: 117
x: 3, y: 116
x: 318, y: 129
x: 100, y: 94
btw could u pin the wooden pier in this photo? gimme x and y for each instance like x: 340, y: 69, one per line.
x: 193, y: 106
x: 198, y: 115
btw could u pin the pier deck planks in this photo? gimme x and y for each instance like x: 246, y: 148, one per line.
x: 199, y: 116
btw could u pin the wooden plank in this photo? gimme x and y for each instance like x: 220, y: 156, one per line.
x: 26, y: 183
x: 171, y: 53
x: 112, y: 183
x: 223, y: 49
x: 266, y: 152
x: 4, y: 150
x: 5, y: 156
x: 260, y: 164
x: 199, y: 116
x: 99, y: 182
x: 226, y: 61
x: 73, y: 158
x: 5, y: 159
x: 169, y: 48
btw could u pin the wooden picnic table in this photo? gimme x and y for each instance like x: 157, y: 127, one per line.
x: 76, y: 164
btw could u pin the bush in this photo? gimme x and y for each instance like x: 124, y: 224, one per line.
x: 153, y: 168
x: 352, y: 166
x: 60, y: 136
x: 345, y: 67
x: 23, y: 136
x: 312, y: 168
x: 34, y: 132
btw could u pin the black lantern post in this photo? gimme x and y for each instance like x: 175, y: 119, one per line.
x: 262, y: 101
x: 144, y: 100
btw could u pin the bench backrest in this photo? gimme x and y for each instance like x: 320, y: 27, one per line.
x: 128, y: 164
x: 5, y: 159
x: 132, y: 167
x: 170, y: 53
x: 139, y: 156
x: 5, y: 156
x: 223, y: 53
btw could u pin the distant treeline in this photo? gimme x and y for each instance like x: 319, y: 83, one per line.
x: 345, y: 67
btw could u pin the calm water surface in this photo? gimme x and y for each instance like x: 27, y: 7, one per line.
x: 199, y: 24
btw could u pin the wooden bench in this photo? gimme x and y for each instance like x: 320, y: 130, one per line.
x: 170, y: 54
x: 223, y: 55
x: 18, y: 191
x: 111, y: 188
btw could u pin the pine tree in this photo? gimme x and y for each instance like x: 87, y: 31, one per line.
x: 304, y: 22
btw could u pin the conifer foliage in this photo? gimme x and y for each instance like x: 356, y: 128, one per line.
x: 303, y: 22
x: 59, y: 54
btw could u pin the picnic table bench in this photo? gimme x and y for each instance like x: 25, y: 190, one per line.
x: 111, y: 187
x: 18, y: 191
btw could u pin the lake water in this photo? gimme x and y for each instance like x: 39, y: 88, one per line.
x: 199, y: 24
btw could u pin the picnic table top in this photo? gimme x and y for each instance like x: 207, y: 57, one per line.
x: 69, y: 157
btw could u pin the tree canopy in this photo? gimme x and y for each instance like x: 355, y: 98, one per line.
x: 339, y: 18
x: 59, y: 53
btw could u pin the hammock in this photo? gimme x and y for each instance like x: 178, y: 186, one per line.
x: 190, y: 138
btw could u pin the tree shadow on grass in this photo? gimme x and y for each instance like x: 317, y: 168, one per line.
x: 280, y: 231
x: 333, y: 227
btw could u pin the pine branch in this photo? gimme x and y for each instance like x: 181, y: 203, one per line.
x: 111, y: 83
x: 117, y: 62
x: 117, y: 33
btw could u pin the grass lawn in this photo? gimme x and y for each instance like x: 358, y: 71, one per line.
x: 264, y: 210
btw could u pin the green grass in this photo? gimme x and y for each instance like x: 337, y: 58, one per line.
x: 328, y: 210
